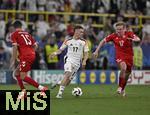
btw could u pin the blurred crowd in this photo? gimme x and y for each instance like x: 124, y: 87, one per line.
x: 50, y: 35
x: 96, y: 6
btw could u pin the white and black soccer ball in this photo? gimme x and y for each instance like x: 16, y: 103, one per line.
x: 77, y: 91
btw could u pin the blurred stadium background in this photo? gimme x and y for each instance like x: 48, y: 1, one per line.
x: 52, y: 21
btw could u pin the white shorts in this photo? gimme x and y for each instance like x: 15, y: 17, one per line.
x: 71, y: 68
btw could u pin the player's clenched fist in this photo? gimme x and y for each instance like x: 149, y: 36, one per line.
x: 95, y: 55
x: 51, y: 56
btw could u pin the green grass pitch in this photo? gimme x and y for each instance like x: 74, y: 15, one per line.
x: 99, y: 100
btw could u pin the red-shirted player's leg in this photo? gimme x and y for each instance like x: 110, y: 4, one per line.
x: 20, y: 82
x: 32, y: 82
x: 128, y: 72
x: 126, y: 79
x: 122, y: 75
x: 25, y: 66
x: 16, y: 74
x: 29, y: 80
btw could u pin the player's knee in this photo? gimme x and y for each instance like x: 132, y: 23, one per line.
x: 67, y: 74
x: 123, y: 69
x: 22, y: 75
x: 123, y: 66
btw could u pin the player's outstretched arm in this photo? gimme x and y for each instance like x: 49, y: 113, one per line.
x: 95, y: 54
x: 55, y: 53
x: 14, y: 56
x: 63, y: 46
x: 134, y: 38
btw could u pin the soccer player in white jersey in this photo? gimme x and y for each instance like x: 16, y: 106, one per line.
x: 77, y: 53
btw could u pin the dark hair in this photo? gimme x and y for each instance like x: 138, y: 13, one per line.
x: 78, y: 27
x: 17, y: 24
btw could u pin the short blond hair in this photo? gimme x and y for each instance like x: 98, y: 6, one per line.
x: 119, y: 24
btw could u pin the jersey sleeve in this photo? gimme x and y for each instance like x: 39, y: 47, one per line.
x: 109, y: 38
x: 13, y: 38
x: 86, y: 48
x: 64, y: 45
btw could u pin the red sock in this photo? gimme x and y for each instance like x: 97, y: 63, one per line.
x: 124, y: 85
x: 31, y: 81
x: 20, y: 82
x: 122, y: 82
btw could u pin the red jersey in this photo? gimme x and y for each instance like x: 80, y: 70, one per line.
x: 25, y: 43
x: 123, y: 45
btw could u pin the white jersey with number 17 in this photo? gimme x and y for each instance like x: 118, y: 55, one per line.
x: 76, y: 48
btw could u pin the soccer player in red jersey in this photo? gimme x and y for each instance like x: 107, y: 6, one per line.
x: 122, y: 40
x: 25, y: 45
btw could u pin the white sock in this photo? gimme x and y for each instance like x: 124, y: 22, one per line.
x: 40, y: 87
x: 61, y: 89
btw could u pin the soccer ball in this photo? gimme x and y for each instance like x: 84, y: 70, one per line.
x: 77, y: 91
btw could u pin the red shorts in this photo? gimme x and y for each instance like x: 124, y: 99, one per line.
x: 25, y: 64
x: 129, y: 63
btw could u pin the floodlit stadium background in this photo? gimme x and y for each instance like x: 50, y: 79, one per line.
x: 52, y: 21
